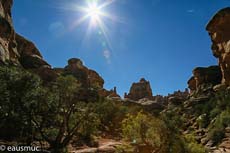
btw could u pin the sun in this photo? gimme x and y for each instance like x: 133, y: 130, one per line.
x: 94, y: 12
x: 100, y: 20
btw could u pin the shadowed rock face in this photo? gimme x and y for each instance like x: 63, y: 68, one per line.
x: 87, y: 77
x: 192, y: 84
x: 15, y: 49
x: 139, y: 90
x: 202, y: 75
x: 30, y: 57
x: 219, y: 31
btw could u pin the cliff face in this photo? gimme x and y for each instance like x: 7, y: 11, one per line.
x: 219, y: 31
x: 30, y: 56
x: 204, y: 75
x: 8, y: 45
x: 17, y: 50
x: 206, y: 85
x: 139, y: 90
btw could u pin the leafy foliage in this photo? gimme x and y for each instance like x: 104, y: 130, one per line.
x: 144, y: 129
x: 52, y: 114
x: 192, y: 146
x: 20, y: 91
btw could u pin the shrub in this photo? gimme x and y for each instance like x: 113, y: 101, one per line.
x: 203, y: 121
x: 192, y: 146
x: 47, y: 114
x: 20, y: 91
x: 144, y: 129
x: 217, y: 131
x: 62, y: 117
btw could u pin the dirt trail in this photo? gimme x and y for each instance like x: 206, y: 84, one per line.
x: 105, y: 146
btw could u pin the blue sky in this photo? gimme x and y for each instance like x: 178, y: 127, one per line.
x: 160, y: 40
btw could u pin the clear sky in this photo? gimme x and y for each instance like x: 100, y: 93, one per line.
x: 160, y: 40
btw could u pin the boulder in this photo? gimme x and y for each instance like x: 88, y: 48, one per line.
x: 139, y: 90
x: 218, y: 29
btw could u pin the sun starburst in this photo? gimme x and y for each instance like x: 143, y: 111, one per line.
x: 95, y: 12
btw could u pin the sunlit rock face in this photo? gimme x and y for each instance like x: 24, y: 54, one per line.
x: 8, y: 45
x: 139, y: 90
x: 219, y: 31
x: 204, y: 75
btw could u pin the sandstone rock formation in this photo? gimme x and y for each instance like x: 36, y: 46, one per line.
x: 30, y: 57
x: 139, y: 90
x: 204, y: 75
x: 8, y: 45
x: 87, y: 77
x: 109, y: 94
x: 17, y: 50
x: 219, y: 30
x: 14, y: 48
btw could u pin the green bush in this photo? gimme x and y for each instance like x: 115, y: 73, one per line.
x: 216, y: 135
x: 20, y: 91
x: 30, y: 111
x: 192, y: 146
x: 203, y: 120
x: 217, y: 131
x: 65, y: 117
x: 144, y: 129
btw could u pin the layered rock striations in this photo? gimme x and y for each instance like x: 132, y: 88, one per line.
x: 219, y: 31
x: 140, y: 90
